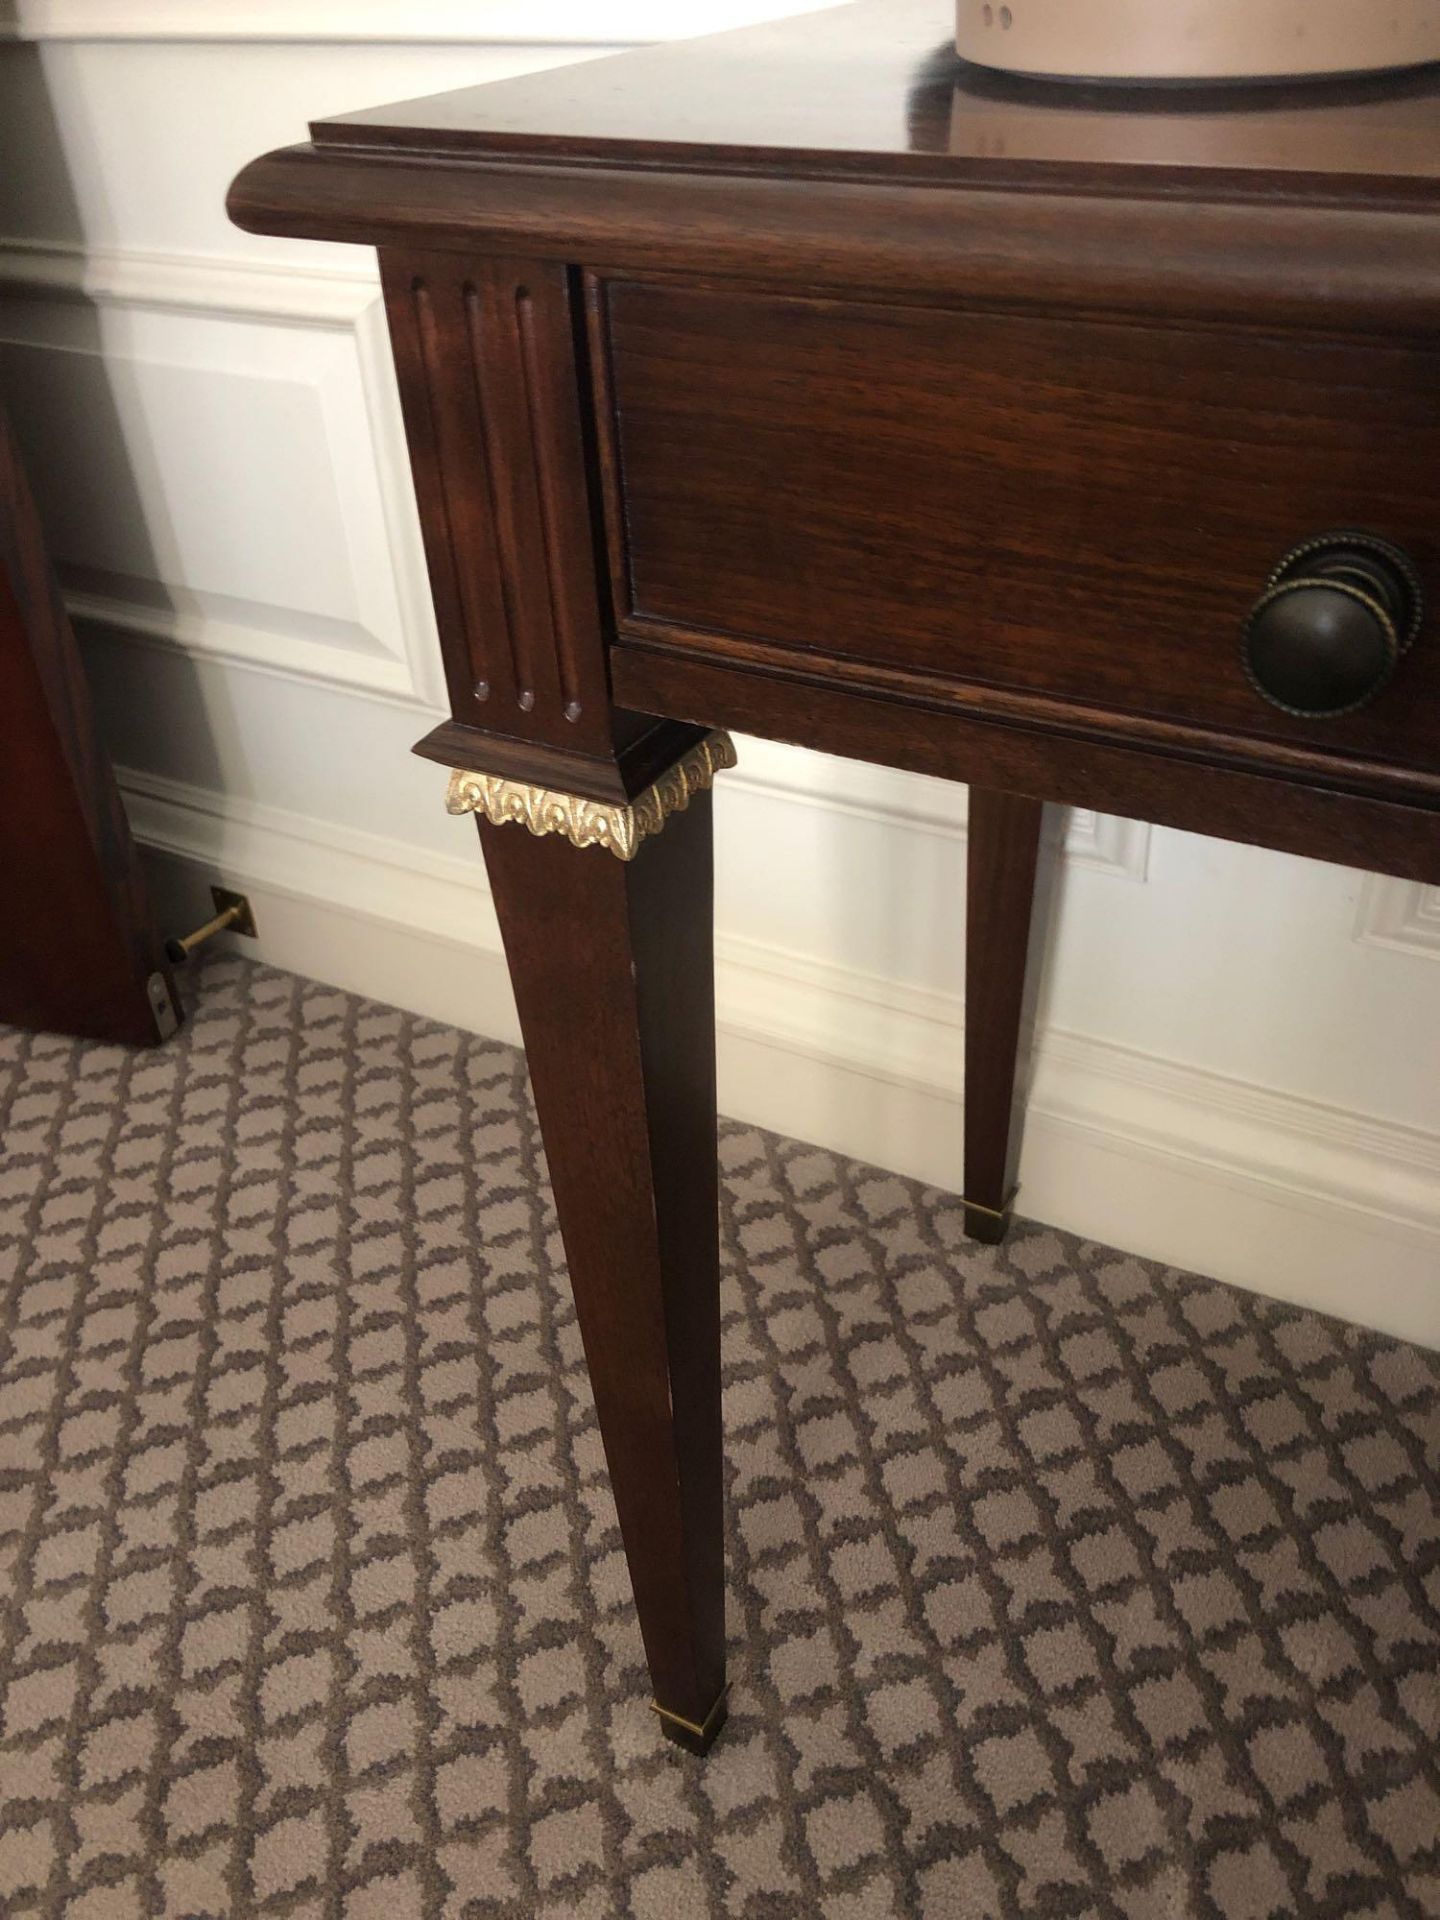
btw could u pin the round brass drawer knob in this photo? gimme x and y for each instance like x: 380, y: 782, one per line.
x: 1335, y: 617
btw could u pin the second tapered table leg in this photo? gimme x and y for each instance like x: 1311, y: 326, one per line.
x: 612, y: 968
x: 1002, y: 934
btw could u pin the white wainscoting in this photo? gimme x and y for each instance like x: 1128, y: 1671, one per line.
x: 163, y: 368
x: 1239, y: 1068
x: 1402, y: 915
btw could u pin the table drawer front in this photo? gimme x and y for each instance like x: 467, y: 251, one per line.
x: 1082, y: 510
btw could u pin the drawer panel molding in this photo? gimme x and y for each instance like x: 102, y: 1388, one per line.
x: 1073, y: 511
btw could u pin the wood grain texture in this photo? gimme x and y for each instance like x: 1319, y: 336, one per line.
x: 611, y: 961
x: 1079, y: 720
x: 1008, y: 891
x: 876, y: 90
x: 611, y: 964
x: 485, y: 357
x: 80, y: 948
x: 645, y: 749
x: 1294, y: 815
x: 1067, y: 508
x: 854, y: 151
x: 1313, y: 265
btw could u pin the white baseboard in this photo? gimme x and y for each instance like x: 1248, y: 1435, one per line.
x: 1330, y: 1209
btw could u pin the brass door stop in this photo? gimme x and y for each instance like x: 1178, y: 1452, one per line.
x: 233, y: 914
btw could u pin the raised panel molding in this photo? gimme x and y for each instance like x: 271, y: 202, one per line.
x: 504, y: 22
x: 187, y: 283
x: 1403, y: 915
x: 917, y: 803
x: 386, y: 645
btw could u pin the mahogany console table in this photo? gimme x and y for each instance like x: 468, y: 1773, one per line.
x: 1079, y: 446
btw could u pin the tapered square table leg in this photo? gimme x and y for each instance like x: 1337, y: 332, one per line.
x: 612, y: 967
x: 1003, y: 933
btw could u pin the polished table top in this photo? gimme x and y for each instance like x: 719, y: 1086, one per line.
x: 877, y: 89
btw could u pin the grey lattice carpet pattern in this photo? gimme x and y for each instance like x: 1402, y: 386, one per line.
x: 1060, y: 1583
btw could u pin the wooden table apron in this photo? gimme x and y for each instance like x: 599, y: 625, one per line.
x: 798, y: 383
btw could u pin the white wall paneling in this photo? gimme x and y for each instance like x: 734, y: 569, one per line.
x: 1400, y: 914
x: 1239, y: 1068
x: 921, y: 805
x: 130, y: 145
x: 219, y: 457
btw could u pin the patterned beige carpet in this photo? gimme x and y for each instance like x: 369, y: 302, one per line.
x: 1060, y: 1584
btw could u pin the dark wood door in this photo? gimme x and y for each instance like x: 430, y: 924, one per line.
x: 78, y: 951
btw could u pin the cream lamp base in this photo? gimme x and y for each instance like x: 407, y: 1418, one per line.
x: 1197, y: 40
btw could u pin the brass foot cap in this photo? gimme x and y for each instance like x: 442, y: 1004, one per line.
x: 695, y: 1736
x: 989, y: 1225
